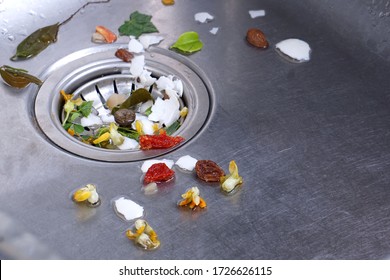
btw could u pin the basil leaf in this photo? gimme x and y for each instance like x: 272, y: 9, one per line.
x: 17, y: 78
x: 137, y: 25
x: 188, y: 43
x: 85, y: 108
x: 36, y: 42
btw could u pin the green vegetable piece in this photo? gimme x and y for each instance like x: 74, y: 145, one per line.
x: 36, y: 42
x: 138, y: 96
x: 172, y: 128
x: 78, y: 128
x: 17, y: 78
x: 188, y: 43
x: 85, y: 108
x: 137, y: 25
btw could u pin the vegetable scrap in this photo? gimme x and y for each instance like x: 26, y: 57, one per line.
x: 159, y: 141
x: 87, y: 194
x: 186, y: 162
x: 295, y: 50
x: 192, y: 199
x: 128, y: 209
x: 144, y: 235
x: 103, y: 35
x: 18, y: 78
x: 40, y: 39
x: 188, y: 43
x: 256, y: 13
x: 168, y: 2
x: 137, y: 25
x: 256, y: 38
x: 208, y: 171
x: 231, y: 181
x: 203, y: 17
x: 157, y: 173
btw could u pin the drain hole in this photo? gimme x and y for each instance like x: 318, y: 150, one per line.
x: 95, y: 78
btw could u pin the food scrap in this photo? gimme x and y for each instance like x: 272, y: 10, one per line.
x: 128, y: 209
x: 192, y: 199
x: 186, y: 162
x: 144, y: 235
x: 208, y: 171
x: 137, y: 25
x: 40, y: 39
x: 157, y: 173
x: 160, y: 141
x: 168, y: 2
x: 188, y: 43
x: 214, y: 30
x: 203, y: 17
x: 256, y: 38
x: 294, y: 50
x: 150, y: 188
x: 124, y: 55
x: 148, y: 163
x: 17, y: 78
x: 231, y: 181
x: 87, y: 194
x: 103, y: 35
x: 256, y: 13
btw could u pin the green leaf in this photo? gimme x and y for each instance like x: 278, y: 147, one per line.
x: 137, y: 96
x: 85, y: 108
x: 17, y: 78
x: 172, y: 128
x: 129, y: 133
x: 74, y: 116
x: 67, y: 125
x: 78, y: 128
x: 148, y: 111
x: 188, y: 43
x: 36, y: 42
x: 137, y: 25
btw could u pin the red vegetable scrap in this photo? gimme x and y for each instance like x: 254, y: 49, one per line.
x: 158, y: 172
x: 208, y: 170
x: 160, y: 141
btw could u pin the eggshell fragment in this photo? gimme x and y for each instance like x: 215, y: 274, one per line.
x: 137, y: 65
x: 91, y: 120
x: 296, y: 49
x: 203, y: 17
x: 256, y: 13
x: 128, y: 208
x: 186, y: 162
x: 148, y: 40
x: 135, y: 46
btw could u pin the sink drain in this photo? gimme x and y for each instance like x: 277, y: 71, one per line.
x: 95, y: 74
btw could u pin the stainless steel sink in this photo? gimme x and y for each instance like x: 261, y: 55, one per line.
x: 311, y: 140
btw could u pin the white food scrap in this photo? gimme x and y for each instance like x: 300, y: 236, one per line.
x: 256, y: 13
x: 214, y: 30
x: 148, y: 40
x: 296, y: 49
x: 186, y: 162
x: 128, y: 208
x: 203, y: 17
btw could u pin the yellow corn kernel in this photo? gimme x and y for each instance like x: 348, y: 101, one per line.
x: 183, y: 112
x: 104, y: 137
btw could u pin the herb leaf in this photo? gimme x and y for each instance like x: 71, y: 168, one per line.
x: 188, y: 43
x: 137, y: 25
x: 78, y: 128
x: 172, y: 128
x: 85, y: 108
x: 17, y: 78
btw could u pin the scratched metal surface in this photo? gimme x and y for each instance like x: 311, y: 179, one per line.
x: 311, y: 140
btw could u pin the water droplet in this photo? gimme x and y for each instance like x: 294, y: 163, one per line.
x: 32, y: 13
x: 11, y: 38
x: 4, y: 31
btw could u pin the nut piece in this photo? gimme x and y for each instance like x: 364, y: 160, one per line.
x: 208, y: 170
x: 124, y: 117
x: 256, y: 38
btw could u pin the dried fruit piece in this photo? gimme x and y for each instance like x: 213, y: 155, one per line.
x: 256, y: 38
x: 158, y: 172
x: 144, y: 235
x: 125, y: 55
x: 161, y: 141
x: 208, y: 170
x: 192, y: 199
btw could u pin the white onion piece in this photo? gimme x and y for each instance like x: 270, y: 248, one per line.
x: 148, y: 40
x: 186, y: 162
x: 91, y: 120
x: 137, y: 65
x: 203, y: 17
x: 128, y: 208
x: 148, y: 163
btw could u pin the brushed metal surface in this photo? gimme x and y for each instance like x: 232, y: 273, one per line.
x: 311, y: 140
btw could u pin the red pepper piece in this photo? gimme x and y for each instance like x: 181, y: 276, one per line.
x: 158, y: 172
x: 160, y: 141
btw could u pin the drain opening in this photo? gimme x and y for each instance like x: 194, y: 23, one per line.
x: 95, y: 75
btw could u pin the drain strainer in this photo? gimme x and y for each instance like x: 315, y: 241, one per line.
x: 95, y: 74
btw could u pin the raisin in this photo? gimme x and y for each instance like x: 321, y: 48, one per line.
x: 256, y: 38
x: 158, y: 172
x: 125, y: 55
x: 160, y: 141
x: 208, y: 170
